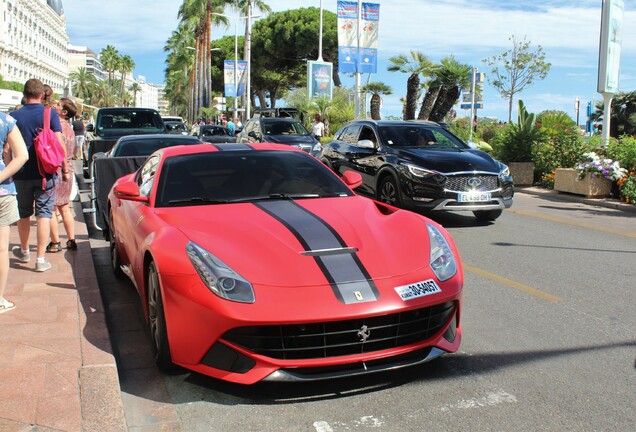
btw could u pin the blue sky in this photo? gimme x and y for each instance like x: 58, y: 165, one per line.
x: 471, y: 30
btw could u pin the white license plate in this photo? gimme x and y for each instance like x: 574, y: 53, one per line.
x: 474, y: 197
x: 418, y: 289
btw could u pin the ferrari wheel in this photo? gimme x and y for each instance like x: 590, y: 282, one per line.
x: 157, y: 322
x: 388, y: 192
x: 115, y: 261
x: 487, y: 215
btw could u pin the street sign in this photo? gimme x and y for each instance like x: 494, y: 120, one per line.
x: 467, y: 106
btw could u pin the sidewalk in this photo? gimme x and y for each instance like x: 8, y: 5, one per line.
x: 57, y: 369
x: 563, y: 196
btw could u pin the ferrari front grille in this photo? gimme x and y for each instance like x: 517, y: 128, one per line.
x: 339, y: 338
x: 468, y: 183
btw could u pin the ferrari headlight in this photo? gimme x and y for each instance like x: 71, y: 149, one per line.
x: 441, y: 258
x: 218, y: 277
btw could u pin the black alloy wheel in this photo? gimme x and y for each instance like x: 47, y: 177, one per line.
x: 115, y: 260
x: 157, y: 322
x: 388, y: 192
x: 487, y: 215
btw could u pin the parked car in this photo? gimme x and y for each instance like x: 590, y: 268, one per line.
x: 213, y: 134
x: 420, y: 165
x: 126, y: 156
x: 281, y: 130
x: 176, y: 127
x: 278, y: 268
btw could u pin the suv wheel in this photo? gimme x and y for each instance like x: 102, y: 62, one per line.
x: 388, y: 192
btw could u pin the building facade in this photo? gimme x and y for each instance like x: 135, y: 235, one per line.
x: 33, y: 42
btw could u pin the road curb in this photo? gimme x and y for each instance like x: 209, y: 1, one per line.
x: 564, y: 196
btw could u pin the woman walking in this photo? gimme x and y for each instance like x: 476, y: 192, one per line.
x: 66, y: 110
x: 14, y: 155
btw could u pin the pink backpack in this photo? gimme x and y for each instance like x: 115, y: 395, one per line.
x: 48, y: 149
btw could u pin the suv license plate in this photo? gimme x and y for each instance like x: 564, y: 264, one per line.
x: 474, y: 197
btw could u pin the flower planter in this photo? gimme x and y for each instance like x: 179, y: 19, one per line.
x: 522, y: 173
x: 566, y: 180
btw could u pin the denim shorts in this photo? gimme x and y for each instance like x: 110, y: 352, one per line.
x: 30, y: 194
x: 8, y: 210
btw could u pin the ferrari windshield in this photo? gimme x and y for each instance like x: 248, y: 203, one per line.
x: 416, y: 135
x: 244, y: 176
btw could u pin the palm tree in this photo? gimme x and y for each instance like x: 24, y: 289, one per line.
x: 126, y: 65
x: 134, y: 88
x: 80, y: 80
x: 109, y: 57
x: 180, y: 69
x: 417, y: 65
x: 201, y: 12
x: 623, y: 118
x: 451, y: 77
x: 377, y: 89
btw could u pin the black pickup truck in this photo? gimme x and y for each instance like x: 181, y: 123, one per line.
x: 114, y: 123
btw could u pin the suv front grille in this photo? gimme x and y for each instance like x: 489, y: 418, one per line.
x: 339, y: 338
x: 480, y: 183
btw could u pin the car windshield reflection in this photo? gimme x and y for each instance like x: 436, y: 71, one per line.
x: 244, y: 176
x: 419, y: 136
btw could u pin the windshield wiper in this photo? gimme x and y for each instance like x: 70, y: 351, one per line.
x: 274, y: 196
x: 198, y: 200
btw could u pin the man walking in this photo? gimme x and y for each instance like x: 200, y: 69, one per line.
x: 80, y: 132
x: 28, y: 181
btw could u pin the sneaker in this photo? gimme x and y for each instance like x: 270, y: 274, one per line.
x: 70, y: 244
x: 53, y: 247
x: 21, y: 256
x: 42, y: 266
x: 6, y: 305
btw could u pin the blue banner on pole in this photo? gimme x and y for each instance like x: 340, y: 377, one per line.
x: 230, y: 89
x: 358, y: 54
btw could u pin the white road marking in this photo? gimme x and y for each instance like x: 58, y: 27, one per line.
x: 490, y: 399
x: 322, y: 426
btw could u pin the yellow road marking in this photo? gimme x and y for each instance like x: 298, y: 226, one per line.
x: 512, y: 284
x: 596, y: 227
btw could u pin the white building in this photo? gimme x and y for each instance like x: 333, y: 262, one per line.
x: 33, y: 42
x: 84, y: 57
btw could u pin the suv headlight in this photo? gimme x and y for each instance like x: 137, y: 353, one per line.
x: 420, y: 172
x: 504, y: 171
x: 442, y: 259
x: 218, y: 277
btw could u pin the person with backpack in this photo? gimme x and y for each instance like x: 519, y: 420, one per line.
x: 36, y: 188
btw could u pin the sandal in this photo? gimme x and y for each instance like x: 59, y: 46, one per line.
x: 70, y: 244
x: 6, y: 305
x: 54, y: 247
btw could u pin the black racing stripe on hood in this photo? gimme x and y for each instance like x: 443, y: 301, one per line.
x: 231, y: 146
x: 349, y: 279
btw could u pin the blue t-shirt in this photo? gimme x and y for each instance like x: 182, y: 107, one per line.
x: 30, y: 119
x: 7, y: 123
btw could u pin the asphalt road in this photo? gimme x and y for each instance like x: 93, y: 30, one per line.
x: 549, y: 343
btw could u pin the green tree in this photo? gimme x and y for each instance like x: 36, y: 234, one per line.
x: 179, y: 75
x: 451, y: 77
x: 416, y: 65
x: 81, y: 81
x: 110, y: 59
x: 134, y: 88
x: 376, y: 89
x: 623, y: 119
x: 126, y: 65
x: 282, y: 43
x: 514, y: 70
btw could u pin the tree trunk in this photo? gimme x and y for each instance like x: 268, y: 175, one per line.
x: 262, y: 99
x: 438, y: 113
x: 412, y: 87
x: 443, y: 106
x: 510, y: 108
x: 375, y: 107
x: 427, y: 103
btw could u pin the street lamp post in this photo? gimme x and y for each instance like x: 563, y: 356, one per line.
x: 247, y: 17
x: 577, y: 107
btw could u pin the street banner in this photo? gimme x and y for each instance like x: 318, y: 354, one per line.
x: 353, y: 55
x: 319, y: 82
x: 228, y: 73
x: 609, y: 60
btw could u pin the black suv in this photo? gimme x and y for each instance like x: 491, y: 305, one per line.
x: 420, y: 165
x: 281, y: 130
